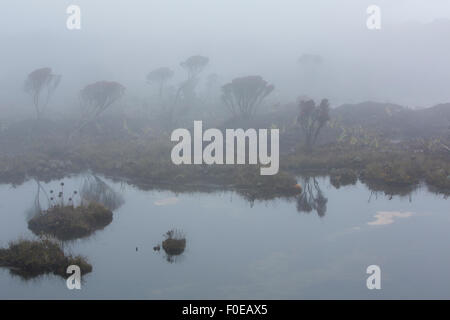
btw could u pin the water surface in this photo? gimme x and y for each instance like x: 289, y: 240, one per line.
x: 241, y: 250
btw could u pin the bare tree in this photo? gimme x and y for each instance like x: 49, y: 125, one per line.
x: 159, y: 77
x: 243, y: 95
x: 312, y: 119
x: 41, y: 84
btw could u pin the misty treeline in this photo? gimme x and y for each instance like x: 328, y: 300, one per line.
x: 241, y: 98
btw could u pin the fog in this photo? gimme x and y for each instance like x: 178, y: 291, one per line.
x: 406, y: 62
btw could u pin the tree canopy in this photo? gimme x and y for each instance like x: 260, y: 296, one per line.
x: 312, y: 118
x: 97, y: 97
x: 160, y: 76
x: 41, y: 84
x: 243, y: 95
x: 194, y: 65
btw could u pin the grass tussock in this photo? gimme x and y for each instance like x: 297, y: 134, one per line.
x: 30, y: 259
x: 175, y: 243
x: 69, y: 222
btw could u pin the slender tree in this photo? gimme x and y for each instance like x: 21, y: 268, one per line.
x: 312, y: 119
x: 159, y: 77
x: 193, y: 65
x: 41, y: 84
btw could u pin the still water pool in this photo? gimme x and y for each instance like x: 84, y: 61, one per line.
x: 241, y: 250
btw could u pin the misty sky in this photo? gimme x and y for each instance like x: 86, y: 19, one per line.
x: 405, y: 62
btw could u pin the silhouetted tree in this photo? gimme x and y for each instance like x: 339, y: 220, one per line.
x: 160, y: 76
x: 194, y: 65
x: 243, y: 95
x: 97, y: 97
x: 41, y: 84
x: 312, y: 119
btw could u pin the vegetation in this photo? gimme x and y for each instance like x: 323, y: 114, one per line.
x: 97, y: 97
x: 194, y: 65
x: 159, y: 77
x: 30, y: 259
x: 69, y: 222
x: 243, y: 95
x: 381, y: 169
x: 143, y: 158
x: 370, y: 141
x: 174, y: 244
x: 312, y: 119
x: 41, y: 84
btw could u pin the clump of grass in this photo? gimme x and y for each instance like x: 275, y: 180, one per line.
x: 69, y: 222
x: 30, y: 259
x: 174, y: 244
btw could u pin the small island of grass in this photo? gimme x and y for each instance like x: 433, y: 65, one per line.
x: 68, y: 222
x: 174, y: 244
x: 30, y: 259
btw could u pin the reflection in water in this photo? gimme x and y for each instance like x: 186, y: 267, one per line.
x: 96, y: 190
x: 166, y: 201
x: 312, y: 198
x: 276, y: 257
x: 392, y: 190
x: 387, y: 217
x: 36, y: 206
x: 76, y: 215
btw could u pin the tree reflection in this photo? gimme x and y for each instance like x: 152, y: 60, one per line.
x: 96, y: 190
x: 36, y: 207
x: 312, y: 197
